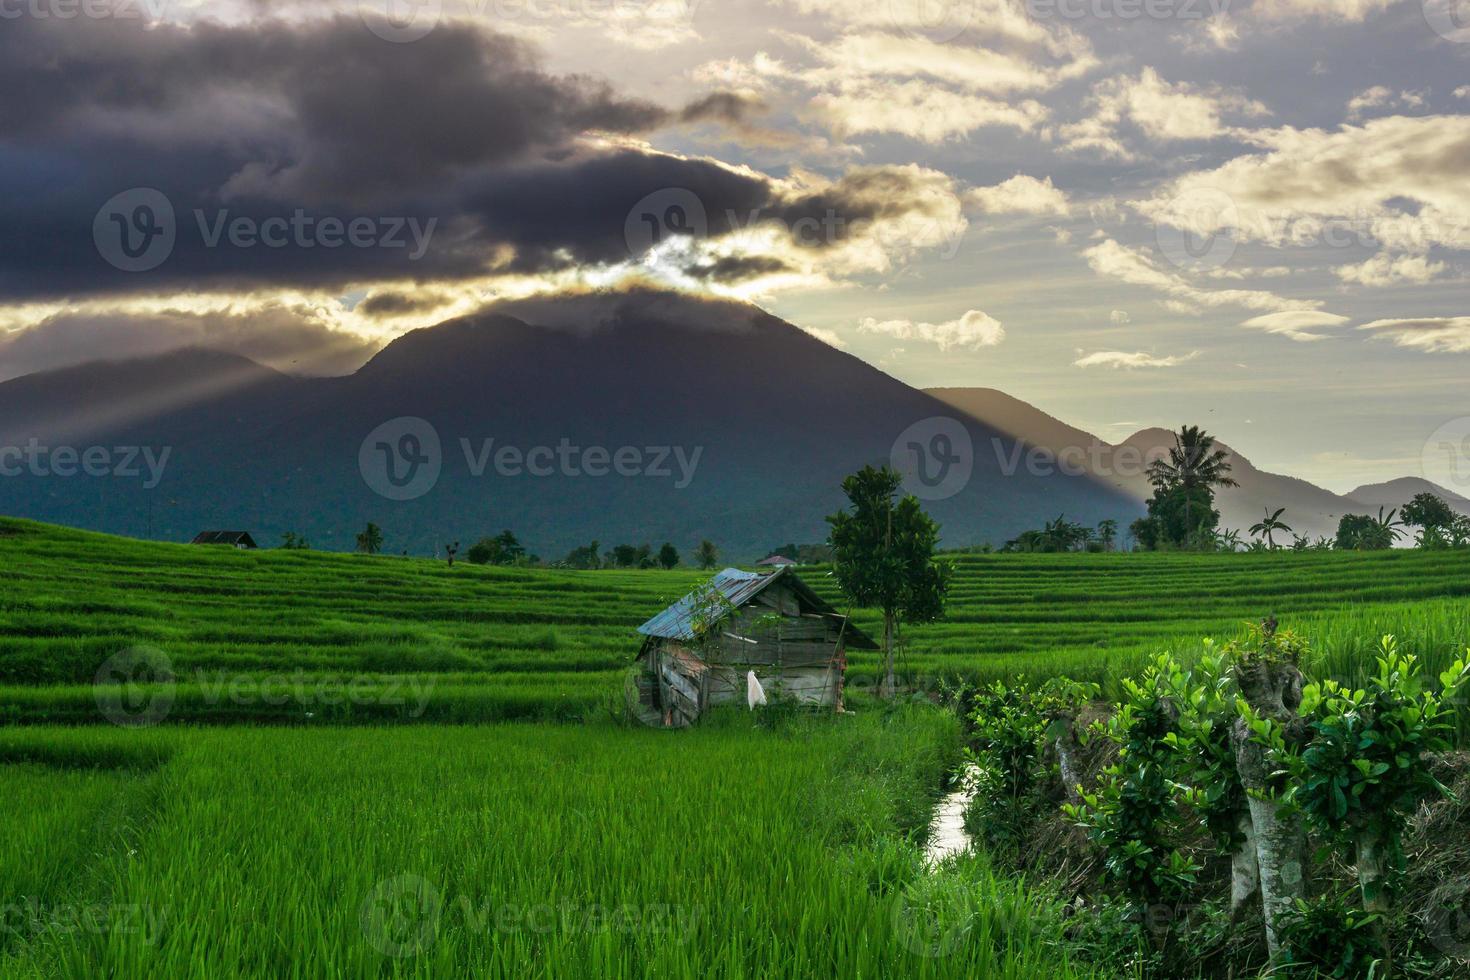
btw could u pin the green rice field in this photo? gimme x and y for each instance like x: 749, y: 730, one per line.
x: 514, y: 850
x: 291, y: 636
x: 324, y: 765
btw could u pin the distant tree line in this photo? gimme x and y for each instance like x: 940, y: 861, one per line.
x: 1182, y: 516
x: 506, y: 549
x: 591, y: 556
x: 802, y: 554
x: 1064, y: 535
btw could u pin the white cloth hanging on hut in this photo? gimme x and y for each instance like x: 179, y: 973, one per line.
x: 754, y: 693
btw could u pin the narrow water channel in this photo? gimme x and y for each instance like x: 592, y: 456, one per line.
x: 947, y: 836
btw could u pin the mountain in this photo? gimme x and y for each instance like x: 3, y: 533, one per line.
x: 1068, y: 444
x: 626, y: 417
x: 1396, y: 493
x: 1310, y: 509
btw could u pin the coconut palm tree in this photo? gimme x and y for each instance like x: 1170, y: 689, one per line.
x: 1270, y: 526
x: 1193, y: 464
x: 370, y: 539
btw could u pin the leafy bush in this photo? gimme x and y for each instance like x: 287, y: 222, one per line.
x: 1333, y: 938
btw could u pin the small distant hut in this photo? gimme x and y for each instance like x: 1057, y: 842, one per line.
x: 699, y: 651
x: 775, y: 561
x: 235, y: 539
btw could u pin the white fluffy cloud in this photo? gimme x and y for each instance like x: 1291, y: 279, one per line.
x: 1439, y: 334
x: 1382, y: 97
x: 1003, y: 22
x: 1313, y: 187
x: 1022, y: 194
x: 1132, y: 360
x: 895, y: 56
x: 919, y: 110
x: 1117, y: 261
x: 1298, y: 325
x: 972, y: 331
x: 930, y: 73
x: 1385, y: 269
x: 1161, y: 110
x: 1352, y: 11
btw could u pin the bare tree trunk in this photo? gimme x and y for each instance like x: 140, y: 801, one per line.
x: 1280, y: 840
x: 1373, y: 880
x: 1245, y: 868
x: 889, y: 686
x: 1068, y: 749
x: 1273, y: 689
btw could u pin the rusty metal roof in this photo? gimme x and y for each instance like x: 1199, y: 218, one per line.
x: 738, y: 588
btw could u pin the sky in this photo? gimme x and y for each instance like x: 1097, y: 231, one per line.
x: 1253, y: 216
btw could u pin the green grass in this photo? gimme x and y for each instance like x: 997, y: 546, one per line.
x: 518, y: 850
x: 389, y: 639
x: 534, y: 847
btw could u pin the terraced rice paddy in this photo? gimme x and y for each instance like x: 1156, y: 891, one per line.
x: 309, y: 638
x: 317, y: 841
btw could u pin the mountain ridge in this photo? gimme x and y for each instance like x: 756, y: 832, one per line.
x: 774, y: 417
x: 1310, y: 509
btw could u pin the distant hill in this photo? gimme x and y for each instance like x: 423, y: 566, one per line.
x: 1310, y: 509
x: 1396, y: 493
x: 776, y: 417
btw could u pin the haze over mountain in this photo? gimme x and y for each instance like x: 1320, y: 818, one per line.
x: 742, y: 426
x: 1395, y: 493
x: 1310, y: 509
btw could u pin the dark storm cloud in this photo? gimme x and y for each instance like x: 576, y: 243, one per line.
x: 738, y: 268
x: 389, y: 303
x: 726, y: 107
x: 322, y: 112
x: 459, y: 143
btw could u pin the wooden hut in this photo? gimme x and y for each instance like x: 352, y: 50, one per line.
x: 699, y: 651
x: 235, y: 539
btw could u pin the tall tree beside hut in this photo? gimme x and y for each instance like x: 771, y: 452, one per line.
x: 883, y: 556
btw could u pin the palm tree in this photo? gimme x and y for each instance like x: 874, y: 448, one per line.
x: 1269, y: 526
x: 1193, y: 464
x: 1107, y: 531
x: 370, y: 540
